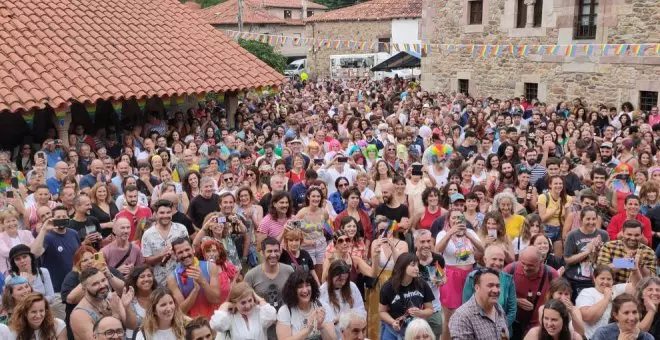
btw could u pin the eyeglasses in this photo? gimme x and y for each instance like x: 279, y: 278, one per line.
x: 342, y: 240
x: 228, y: 179
x: 110, y: 333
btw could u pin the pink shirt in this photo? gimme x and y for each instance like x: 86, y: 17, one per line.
x: 271, y: 227
x: 654, y: 119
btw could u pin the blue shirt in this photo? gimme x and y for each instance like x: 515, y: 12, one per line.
x: 298, y: 194
x: 337, y: 202
x: 53, y: 186
x: 58, y: 255
x: 53, y: 157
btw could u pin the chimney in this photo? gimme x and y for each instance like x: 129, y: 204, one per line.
x: 303, y: 4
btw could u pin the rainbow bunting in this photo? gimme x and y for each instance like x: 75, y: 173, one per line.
x: 498, y: 50
x: 512, y: 49
x: 406, y: 47
x: 473, y: 49
x: 372, y: 46
x: 142, y: 102
x: 589, y: 49
x: 554, y: 49
x: 337, y: 44
x: 29, y: 118
x: 570, y: 51
x: 656, y: 49
x: 60, y: 113
x: 604, y: 49
x: 620, y: 49
x: 484, y: 50
x: 524, y: 51
x: 541, y: 50
x: 637, y: 50
x: 91, y: 110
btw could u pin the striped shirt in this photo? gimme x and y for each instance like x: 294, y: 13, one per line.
x: 538, y: 172
x: 271, y: 227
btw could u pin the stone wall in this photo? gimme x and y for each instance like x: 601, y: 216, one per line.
x: 318, y: 59
x: 610, y: 80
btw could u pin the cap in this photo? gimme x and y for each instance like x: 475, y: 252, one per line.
x: 490, y: 130
x: 456, y: 197
x: 296, y: 141
x: 17, y: 250
x: 606, y: 145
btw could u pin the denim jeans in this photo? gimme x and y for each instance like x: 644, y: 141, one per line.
x: 553, y: 232
x: 388, y: 333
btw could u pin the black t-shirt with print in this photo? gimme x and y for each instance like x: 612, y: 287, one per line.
x: 304, y: 260
x: 415, y: 294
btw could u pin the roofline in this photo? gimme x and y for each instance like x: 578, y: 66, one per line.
x: 312, y: 19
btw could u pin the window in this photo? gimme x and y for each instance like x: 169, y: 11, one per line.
x: 310, y: 13
x: 585, y: 22
x: 287, y: 14
x: 531, y: 90
x: 647, y: 100
x: 476, y: 8
x: 463, y: 86
x: 521, y: 17
x: 381, y: 45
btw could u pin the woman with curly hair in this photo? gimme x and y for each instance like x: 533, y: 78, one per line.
x: 212, y: 251
x: 33, y: 319
x: 163, y: 320
x: 303, y: 315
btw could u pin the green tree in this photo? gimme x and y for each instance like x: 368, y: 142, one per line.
x: 266, y: 53
x: 334, y: 4
x: 205, y: 3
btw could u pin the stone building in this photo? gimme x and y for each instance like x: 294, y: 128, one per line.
x: 276, y: 17
x: 607, y: 79
x: 383, y: 21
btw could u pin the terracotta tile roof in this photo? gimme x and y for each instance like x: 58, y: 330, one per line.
x: 54, y: 52
x: 292, y: 4
x: 226, y: 13
x: 373, y: 10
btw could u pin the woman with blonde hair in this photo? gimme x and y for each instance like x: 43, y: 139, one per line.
x: 164, y: 319
x: 245, y: 315
x: 157, y: 165
x: 293, y: 255
x: 419, y: 329
x: 494, y: 232
x: 531, y: 227
x: 11, y: 236
x: 34, y: 319
x: 102, y: 207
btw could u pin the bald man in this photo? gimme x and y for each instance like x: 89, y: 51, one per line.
x: 494, y: 259
x: 532, y: 278
x: 95, y: 175
x: 108, y: 328
x: 54, y: 183
x: 391, y: 207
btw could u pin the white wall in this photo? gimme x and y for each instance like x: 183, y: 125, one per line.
x: 405, y: 31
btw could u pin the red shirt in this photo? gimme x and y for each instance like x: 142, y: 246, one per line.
x: 524, y: 285
x: 140, y: 218
x: 616, y: 225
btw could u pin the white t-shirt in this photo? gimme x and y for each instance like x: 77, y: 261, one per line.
x: 459, y: 251
x: 440, y: 178
x: 297, y: 319
x: 589, y: 297
x: 161, y: 334
x: 59, y: 328
x: 519, y: 245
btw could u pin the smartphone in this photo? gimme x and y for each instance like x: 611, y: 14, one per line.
x: 89, y: 229
x: 99, y: 259
x: 40, y: 155
x: 342, y: 159
x: 61, y: 223
x: 492, y: 233
x: 623, y: 263
x: 14, y: 183
x: 318, y: 161
x: 222, y: 219
x: 417, y: 169
x: 10, y: 194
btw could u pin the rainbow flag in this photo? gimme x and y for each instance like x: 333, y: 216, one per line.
x: 589, y: 49
x: 394, y: 225
x: 554, y: 49
x: 91, y: 110
x: 541, y: 50
x: 604, y: 49
x: 525, y: 50
x: 484, y: 50
x: 498, y: 50
x: 570, y: 51
x: 620, y: 49
x: 29, y: 118
x: 656, y: 49
x: 637, y: 50
x: 327, y: 226
x: 439, y: 272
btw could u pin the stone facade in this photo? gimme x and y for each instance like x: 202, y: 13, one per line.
x: 610, y: 80
x: 318, y: 59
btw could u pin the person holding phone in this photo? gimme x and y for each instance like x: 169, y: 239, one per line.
x: 494, y: 232
x: 621, y: 254
x: 88, y: 227
x: 244, y: 316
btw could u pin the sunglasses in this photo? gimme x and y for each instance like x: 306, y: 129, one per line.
x: 229, y: 179
x: 341, y: 185
x: 342, y: 240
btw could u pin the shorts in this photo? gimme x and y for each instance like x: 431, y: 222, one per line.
x: 451, y: 293
x: 553, y: 232
x: 317, y: 253
x: 435, y: 321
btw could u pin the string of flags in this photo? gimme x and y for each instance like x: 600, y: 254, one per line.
x: 476, y: 50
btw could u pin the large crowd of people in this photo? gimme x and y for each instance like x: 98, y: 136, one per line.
x: 329, y: 210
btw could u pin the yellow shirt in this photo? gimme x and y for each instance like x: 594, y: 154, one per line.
x: 513, y: 226
x: 554, y: 219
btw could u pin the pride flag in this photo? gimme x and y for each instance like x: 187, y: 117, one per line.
x: 439, y: 272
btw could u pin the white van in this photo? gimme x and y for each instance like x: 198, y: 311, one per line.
x: 295, y: 68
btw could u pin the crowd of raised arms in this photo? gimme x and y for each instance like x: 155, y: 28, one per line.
x: 338, y: 210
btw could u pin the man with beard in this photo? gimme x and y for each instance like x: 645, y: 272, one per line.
x: 530, y: 274
x: 631, y: 213
x: 481, y: 317
x: 88, y: 227
x: 204, y: 203
x: 507, y: 178
x: 268, y: 154
x: 494, y: 259
x: 628, y: 249
x: 156, y: 242
x: 120, y: 253
x: 607, y: 158
x: 537, y: 170
x: 429, y: 262
x: 268, y: 278
x: 99, y: 302
x: 391, y: 207
x: 136, y: 215
x: 123, y: 171
x: 193, y: 283
x: 606, y: 203
x: 237, y: 228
